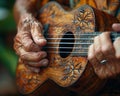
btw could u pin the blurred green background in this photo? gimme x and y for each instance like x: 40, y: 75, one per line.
x: 8, y: 58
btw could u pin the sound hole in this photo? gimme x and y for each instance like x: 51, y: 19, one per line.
x: 66, y: 44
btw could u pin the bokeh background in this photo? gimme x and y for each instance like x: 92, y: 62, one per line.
x: 8, y: 58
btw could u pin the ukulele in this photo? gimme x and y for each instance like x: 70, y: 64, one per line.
x: 68, y: 34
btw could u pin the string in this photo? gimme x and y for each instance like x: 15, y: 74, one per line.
x: 67, y: 52
x: 69, y: 38
x: 67, y: 43
x: 84, y: 34
x: 85, y: 48
x: 63, y: 52
x: 81, y: 38
x: 72, y: 39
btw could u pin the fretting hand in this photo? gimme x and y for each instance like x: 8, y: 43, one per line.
x: 105, y: 55
x: 29, y: 42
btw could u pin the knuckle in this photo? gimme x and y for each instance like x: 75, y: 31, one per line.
x: 18, y: 37
x: 22, y: 56
x: 25, y: 56
x: 28, y: 45
x: 90, y: 57
x: 97, y: 50
x: 37, y: 57
x: 107, y: 48
x: 42, y: 54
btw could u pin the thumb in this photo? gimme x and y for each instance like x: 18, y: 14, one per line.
x: 36, y: 32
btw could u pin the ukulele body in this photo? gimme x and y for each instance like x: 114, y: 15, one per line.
x: 68, y: 66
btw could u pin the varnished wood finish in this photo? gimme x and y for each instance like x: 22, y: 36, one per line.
x: 72, y: 71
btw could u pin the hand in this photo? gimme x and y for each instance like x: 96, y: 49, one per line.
x: 29, y: 42
x: 104, y: 49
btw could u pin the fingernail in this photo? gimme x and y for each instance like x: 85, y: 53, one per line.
x: 42, y: 42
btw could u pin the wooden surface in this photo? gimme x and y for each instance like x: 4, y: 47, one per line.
x: 69, y: 70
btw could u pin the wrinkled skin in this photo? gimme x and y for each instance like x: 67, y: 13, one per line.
x: 104, y: 49
x: 29, y: 42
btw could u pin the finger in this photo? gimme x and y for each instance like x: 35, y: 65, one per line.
x: 106, y: 45
x: 117, y: 47
x: 90, y: 52
x: 42, y: 63
x: 97, y: 48
x: 34, y: 69
x: 91, y: 55
x: 108, y: 53
x: 93, y: 60
x: 106, y: 70
x: 36, y: 31
x: 32, y: 56
x: 27, y: 42
x: 116, y: 27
